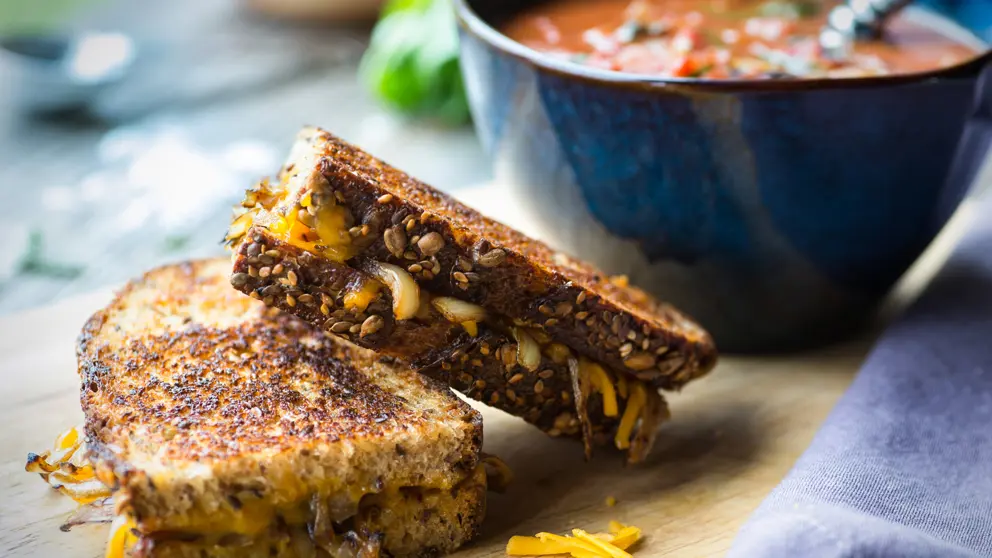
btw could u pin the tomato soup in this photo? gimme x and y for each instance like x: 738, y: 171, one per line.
x: 725, y: 39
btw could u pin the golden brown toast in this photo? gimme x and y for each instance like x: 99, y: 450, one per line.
x: 221, y: 424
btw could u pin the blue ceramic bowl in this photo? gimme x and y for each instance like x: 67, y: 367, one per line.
x: 777, y: 213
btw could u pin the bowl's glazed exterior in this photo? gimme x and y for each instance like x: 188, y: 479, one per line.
x: 776, y: 213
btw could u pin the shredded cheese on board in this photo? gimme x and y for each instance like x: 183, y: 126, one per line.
x: 66, y: 470
x: 580, y: 544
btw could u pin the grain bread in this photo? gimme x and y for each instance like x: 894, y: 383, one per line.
x: 455, y: 251
x: 219, y: 422
x: 466, y: 295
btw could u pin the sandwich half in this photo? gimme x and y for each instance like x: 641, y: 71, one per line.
x: 362, y: 250
x: 226, y: 429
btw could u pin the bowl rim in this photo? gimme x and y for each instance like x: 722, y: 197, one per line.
x: 471, y: 22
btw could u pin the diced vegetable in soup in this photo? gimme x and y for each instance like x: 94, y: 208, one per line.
x: 724, y: 39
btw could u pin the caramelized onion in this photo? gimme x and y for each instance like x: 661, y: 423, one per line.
x: 458, y: 311
x: 528, y: 351
x: 654, y: 413
x: 406, y: 292
x: 580, y: 393
x: 100, y: 511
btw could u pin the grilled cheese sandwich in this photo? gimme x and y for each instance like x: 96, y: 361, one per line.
x: 223, y: 428
x: 360, y: 249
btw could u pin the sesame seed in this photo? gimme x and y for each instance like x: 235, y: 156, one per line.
x: 581, y: 315
x: 516, y: 378
x: 545, y: 374
x: 291, y: 276
x: 480, y: 384
x: 385, y: 198
x: 460, y: 277
x: 581, y: 298
x: 415, y: 268
x: 277, y: 269
x: 539, y: 386
x: 290, y: 301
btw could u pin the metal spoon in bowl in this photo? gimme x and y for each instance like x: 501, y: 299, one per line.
x: 853, y: 20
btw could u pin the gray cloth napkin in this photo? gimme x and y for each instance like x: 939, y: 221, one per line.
x: 902, y: 468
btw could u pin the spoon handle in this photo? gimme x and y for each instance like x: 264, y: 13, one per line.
x: 864, y: 19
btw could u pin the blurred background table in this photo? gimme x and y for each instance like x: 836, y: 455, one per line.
x: 217, y: 96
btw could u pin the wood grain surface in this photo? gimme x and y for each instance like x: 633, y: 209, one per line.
x: 733, y: 436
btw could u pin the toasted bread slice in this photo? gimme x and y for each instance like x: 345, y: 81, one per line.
x: 223, y: 426
x: 336, y: 201
x: 469, y: 301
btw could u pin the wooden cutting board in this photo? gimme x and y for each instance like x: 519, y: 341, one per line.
x: 733, y: 436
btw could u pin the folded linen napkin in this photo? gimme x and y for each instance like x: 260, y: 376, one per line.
x: 902, y: 467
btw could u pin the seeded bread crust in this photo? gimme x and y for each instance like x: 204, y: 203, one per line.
x: 202, y: 405
x: 460, y: 253
x: 483, y: 367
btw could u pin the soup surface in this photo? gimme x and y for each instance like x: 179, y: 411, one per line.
x: 724, y: 39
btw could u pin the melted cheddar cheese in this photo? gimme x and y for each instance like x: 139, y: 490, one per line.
x: 580, y: 544
x: 635, y: 405
x: 603, y: 384
x: 329, y: 236
x: 358, y: 299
